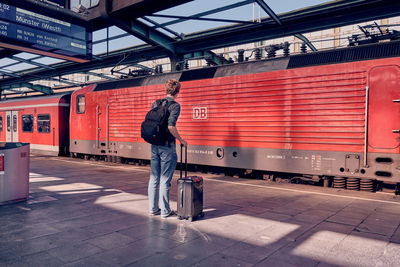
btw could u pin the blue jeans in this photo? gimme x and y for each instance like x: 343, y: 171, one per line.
x: 163, y: 163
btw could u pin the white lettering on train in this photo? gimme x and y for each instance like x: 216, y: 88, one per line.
x: 200, y: 113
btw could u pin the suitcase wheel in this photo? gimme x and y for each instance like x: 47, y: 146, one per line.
x: 180, y: 217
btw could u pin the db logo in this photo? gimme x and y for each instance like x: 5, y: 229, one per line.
x: 200, y: 113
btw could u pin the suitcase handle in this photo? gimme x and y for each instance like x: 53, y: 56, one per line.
x: 181, y: 198
x: 182, y: 161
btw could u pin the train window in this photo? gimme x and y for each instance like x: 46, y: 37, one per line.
x: 8, y: 123
x: 1, y: 123
x: 27, y: 123
x: 43, y: 123
x: 15, y: 119
x: 80, y: 104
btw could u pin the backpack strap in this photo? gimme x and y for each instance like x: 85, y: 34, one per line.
x: 158, y: 102
x: 163, y: 100
x: 169, y: 103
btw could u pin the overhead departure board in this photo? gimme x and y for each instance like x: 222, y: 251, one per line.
x: 30, y: 31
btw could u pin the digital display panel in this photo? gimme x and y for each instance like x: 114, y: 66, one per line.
x: 27, y: 29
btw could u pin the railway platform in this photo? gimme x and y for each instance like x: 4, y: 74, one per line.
x: 87, y: 213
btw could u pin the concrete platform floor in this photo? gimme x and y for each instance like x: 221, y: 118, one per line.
x: 85, y: 213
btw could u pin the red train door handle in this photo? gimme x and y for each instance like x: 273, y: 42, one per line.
x: 396, y: 100
x: 396, y: 131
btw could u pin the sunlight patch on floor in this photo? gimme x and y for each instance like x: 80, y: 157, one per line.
x: 36, y: 178
x: 340, y: 249
x: 73, y: 188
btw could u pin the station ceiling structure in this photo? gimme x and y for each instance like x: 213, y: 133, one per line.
x: 133, y: 31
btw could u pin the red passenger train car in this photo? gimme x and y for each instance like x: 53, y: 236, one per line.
x: 332, y: 113
x: 41, y: 121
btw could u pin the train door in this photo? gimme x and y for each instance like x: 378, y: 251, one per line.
x: 98, y: 129
x: 11, y: 126
x: 107, y: 130
x: 384, y: 107
x: 102, y: 138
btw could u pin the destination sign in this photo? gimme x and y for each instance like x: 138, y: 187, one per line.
x: 43, y: 32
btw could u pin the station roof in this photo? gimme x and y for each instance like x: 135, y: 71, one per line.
x: 132, y: 31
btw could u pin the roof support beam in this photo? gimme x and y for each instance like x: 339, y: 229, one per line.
x: 10, y: 74
x: 7, y: 52
x: 126, y: 9
x: 157, y: 25
x: 272, y: 14
x: 148, y: 34
x: 207, y: 19
x: 36, y: 87
x: 202, y: 14
x: 152, y: 37
x: 206, y: 54
x: 269, y: 11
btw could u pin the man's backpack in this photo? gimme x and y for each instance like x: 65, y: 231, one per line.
x: 155, y: 126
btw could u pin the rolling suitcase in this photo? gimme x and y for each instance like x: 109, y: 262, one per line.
x: 190, y: 194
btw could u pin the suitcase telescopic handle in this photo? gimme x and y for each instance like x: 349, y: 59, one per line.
x: 181, y: 197
x: 182, y: 161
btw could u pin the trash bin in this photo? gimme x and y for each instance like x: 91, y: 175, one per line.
x: 14, y: 172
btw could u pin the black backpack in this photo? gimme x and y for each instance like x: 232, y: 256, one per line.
x: 155, y: 125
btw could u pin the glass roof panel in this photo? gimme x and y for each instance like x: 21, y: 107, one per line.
x: 279, y: 6
x: 48, y: 60
x: 98, y: 35
x: 245, y: 13
x: 124, y: 42
x: 114, y: 31
x: 192, y: 26
x: 102, y: 34
x: 250, y: 11
x: 26, y: 55
x: 100, y: 48
x: 19, y: 67
x: 196, y: 6
x: 116, y: 44
x: 6, y: 61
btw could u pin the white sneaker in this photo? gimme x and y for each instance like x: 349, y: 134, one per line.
x: 172, y: 213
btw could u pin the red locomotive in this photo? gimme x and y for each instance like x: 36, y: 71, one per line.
x: 41, y: 121
x: 323, y: 114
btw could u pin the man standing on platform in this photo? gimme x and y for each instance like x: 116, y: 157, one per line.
x: 164, y: 157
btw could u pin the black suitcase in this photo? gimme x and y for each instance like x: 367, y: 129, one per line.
x: 190, y: 194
